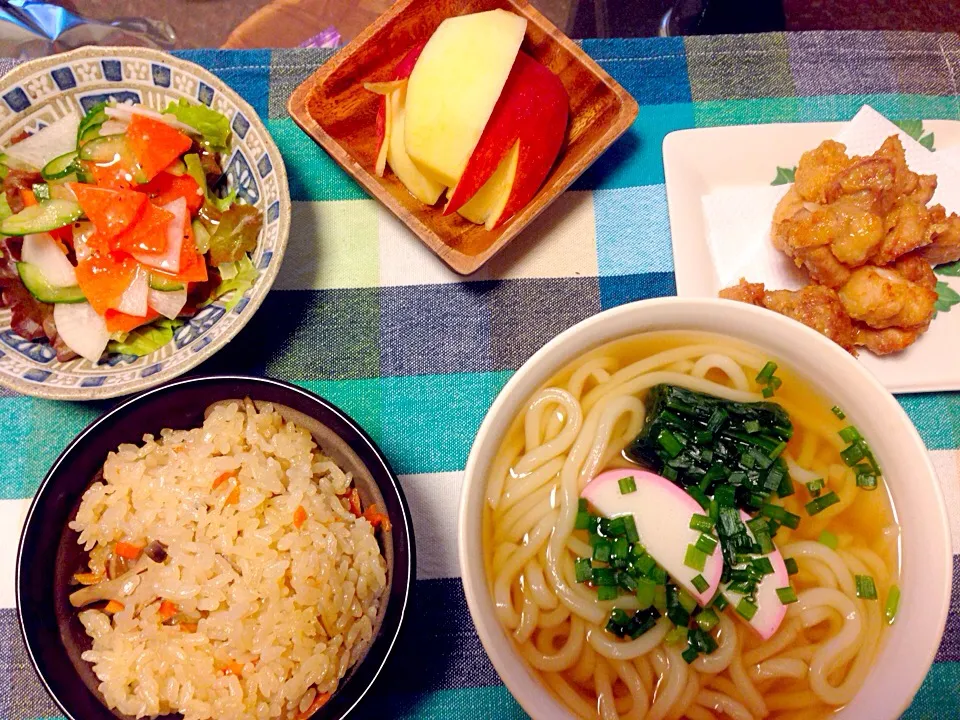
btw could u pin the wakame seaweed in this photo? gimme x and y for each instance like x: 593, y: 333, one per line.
x: 700, y: 440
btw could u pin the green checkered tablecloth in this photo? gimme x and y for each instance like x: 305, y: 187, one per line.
x: 364, y: 315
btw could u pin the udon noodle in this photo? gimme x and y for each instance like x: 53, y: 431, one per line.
x: 577, y: 425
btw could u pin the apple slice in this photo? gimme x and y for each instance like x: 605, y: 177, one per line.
x: 400, y: 72
x: 662, y: 512
x: 384, y: 123
x: 454, y: 87
x: 420, y: 186
x: 532, y: 111
x: 770, y: 611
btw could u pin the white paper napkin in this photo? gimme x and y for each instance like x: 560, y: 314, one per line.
x: 738, y: 218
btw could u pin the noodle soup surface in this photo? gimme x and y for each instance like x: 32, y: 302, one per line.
x: 584, y: 616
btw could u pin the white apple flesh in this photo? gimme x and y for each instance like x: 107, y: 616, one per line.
x: 661, y: 512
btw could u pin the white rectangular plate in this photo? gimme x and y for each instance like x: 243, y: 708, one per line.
x: 701, y: 161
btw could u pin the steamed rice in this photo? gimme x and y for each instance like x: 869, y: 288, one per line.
x: 281, y: 613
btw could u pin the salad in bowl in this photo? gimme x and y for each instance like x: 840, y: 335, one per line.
x: 116, y: 227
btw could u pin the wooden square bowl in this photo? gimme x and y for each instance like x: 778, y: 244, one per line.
x: 333, y: 107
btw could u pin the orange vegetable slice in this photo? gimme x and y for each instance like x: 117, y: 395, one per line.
x: 28, y: 197
x: 113, y: 607
x: 318, y: 702
x: 234, y: 497
x: 223, y: 477
x: 233, y: 668
x: 110, y: 211
x: 377, y: 518
x: 355, y: 502
x: 127, y: 550
x: 167, y: 610
x: 299, y: 516
x: 148, y: 234
x: 121, y: 322
x: 110, y: 176
x: 104, y: 278
x: 165, y: 188
x: 155, y: 144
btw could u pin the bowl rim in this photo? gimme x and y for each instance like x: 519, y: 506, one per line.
x: 529, y: 691
x: 406, y: 582
x: 261, y: 286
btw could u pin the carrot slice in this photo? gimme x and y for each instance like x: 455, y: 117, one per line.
x: 165, y: 188
x: 28, y: 197
x: 110, y: 211
x: 234, y: 497
x: 223, y: 477
x: 188, y: 627
x: 377, y: 518
x: 148, y: 234
x: 299, y: 516
x: 318, y: 702
x: 114, y: 176
x: 167, y: 610
x: 88, y: 578
x: 355, y: 502
x: 121, y: 322
x: 113, y: 607
x: 155, y: 144
x: 104, y: 278
x: 127, y: 550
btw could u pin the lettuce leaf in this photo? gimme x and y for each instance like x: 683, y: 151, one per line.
x: 144, y: 340
x: 214, y: 127
x: 236, y: 234
x: 195, y: 170
x: 246, y: 274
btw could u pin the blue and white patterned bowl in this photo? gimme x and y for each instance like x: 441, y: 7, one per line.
x: 37, y: 93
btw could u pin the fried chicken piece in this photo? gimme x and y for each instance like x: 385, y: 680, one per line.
x: 944, y: 244
x: 887, y: 341
x: 916, y: 268
x: 871, y: 177
x: 818, y: 167
x: 907, y: 227
x: 815, y: 306
x: 881, y: 297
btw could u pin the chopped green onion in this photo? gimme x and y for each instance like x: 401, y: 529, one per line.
x: 838, y: 412
x: 583, y: 521
x: 746, y: 609
x: 781, y: 515
x: 814, y: 487
x: 751, y: 426
x: 818, y: 505
x: 767, y: 392
x: 829, y: 539
x: 627, y: 485
x: 645, y: 591
x: 602, y: 576
x: 720, y: 602
x: 690, y: 654
x: 702, y: 523
x: 660, y: 598
x: 583, y: 570
x: 766, y: 373
x: 601, y: 551
x: 645, y: 564
x: 726, y: 496
x: 892, y: 604
x: 791, y: 564
x: 850, y: 434
x: 706, y: 544
x: 707, y: 619
x: 697, y: 494
x: 582, y: 505
x: 630, y: 529
x: 658, y: 575
x: 686, y: 600
x: 626, y: 581
x: 677, y: 634
x: 787, y: 595
x: 853, y: 454
x: 777, y: 451
x: 619, y: 550
x: 762, y: 565
x: 866, y: 588
x: 700, y: 583
x: 695, y: 558
x: 669, y: 473
x: 786, y: 486
x: 615, y: 527
x: 605, y: 592
x: 671, y: 444
x: 867, y: 481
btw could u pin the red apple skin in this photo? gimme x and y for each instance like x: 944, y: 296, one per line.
x: 400, y: 72
x: 533, y: 107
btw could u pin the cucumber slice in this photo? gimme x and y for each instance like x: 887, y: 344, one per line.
x: 164, y: 284
x: 110, y: 149
x: 42, y: 217
x: 42, y: 290
x: 89, y: 127
x: 104, y: 149
x: 59, y: 167
x: 41, y: 191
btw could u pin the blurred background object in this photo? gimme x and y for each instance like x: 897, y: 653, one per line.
x: 290, y: 23
x: 31, y: 28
